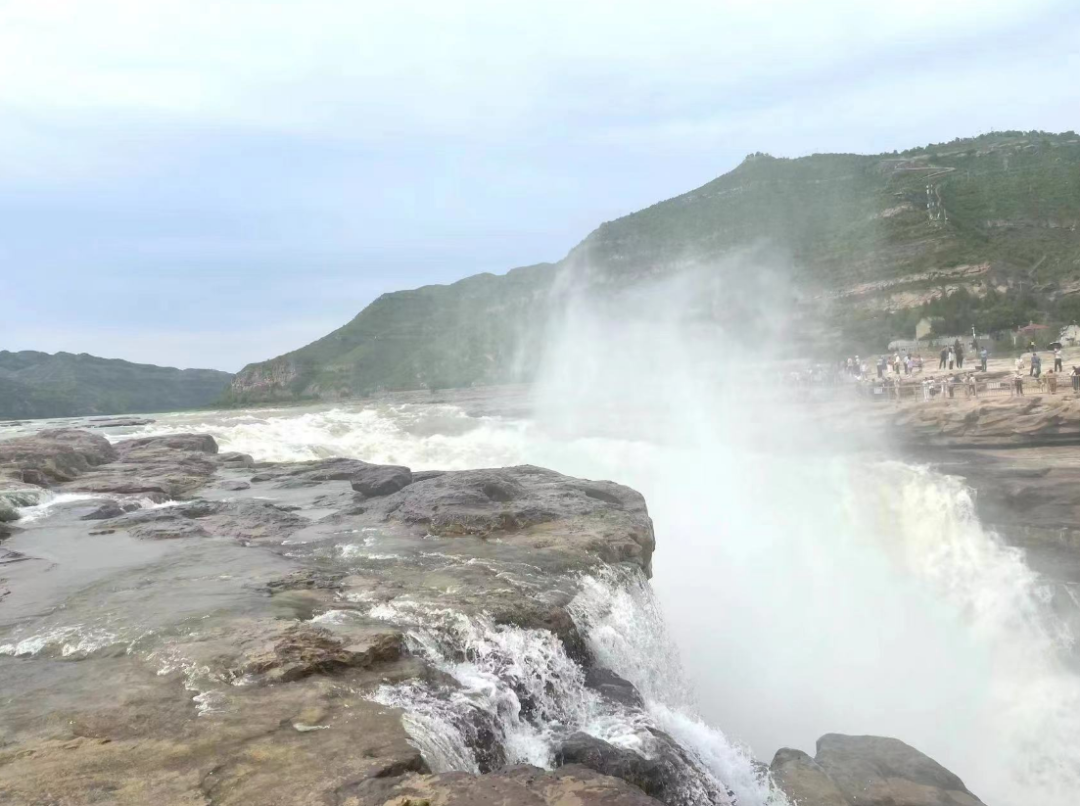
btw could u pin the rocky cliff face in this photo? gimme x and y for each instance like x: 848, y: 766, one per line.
x: 34, y: 384
x: 345, y: 634
x: 848, y: 235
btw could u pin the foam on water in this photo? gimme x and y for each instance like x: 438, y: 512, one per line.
x: 51, y: 501
x: 69, y: 642
x: 421, y: 437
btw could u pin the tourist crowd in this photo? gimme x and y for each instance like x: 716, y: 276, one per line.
x: 891, y: 368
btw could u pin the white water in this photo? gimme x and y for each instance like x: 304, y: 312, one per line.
x: 519, y: 688
x: 807, y: 595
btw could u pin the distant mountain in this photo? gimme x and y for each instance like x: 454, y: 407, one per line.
x: 483, y: 329
x: 34, y: 384
x: 990, y: 223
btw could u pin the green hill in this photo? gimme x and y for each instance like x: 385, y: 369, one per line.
x: 35, y: 384
x: 984, y: 228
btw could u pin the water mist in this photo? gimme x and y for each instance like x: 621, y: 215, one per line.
x: 812, y: 588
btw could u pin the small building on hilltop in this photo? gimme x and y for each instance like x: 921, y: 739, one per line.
x: 1022, y: 335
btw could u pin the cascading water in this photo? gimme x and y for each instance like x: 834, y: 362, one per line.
x: 624, y: 626
x: 809, y: 591
x: 516, y: 696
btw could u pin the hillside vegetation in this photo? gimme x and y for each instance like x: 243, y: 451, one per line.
x: 871, y: 243
x: 35, y: 384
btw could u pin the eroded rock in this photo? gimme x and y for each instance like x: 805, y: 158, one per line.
x: 380, y: 480
x: 868, y: 771
x: 529, y: 505
x: 304, y: 650
x: 59, y: 454
x: 804, y: 781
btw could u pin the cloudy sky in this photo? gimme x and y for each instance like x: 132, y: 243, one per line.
x: 213, y: 182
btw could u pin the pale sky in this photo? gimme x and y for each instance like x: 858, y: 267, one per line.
x: 214, y: 182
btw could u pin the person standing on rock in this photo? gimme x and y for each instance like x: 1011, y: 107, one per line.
x: 1057, y: 359
x: 1018, y: 383
x: 1076, y: 379
x: 984, y: 354
x: 952, y: 357
x: 944, y: 357
x: 959, y: 349
x: 1036, y: 365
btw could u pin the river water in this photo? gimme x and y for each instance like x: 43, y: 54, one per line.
x: 798, y: 592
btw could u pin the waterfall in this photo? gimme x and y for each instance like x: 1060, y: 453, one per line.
x: 810, y: 590
x: 508, y: 695
x: 624, y: 627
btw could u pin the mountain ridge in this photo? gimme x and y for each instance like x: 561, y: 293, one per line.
x: 35, y: 384
x: 872, y: 242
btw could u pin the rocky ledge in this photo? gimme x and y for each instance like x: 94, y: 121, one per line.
x: 867, y: 771
x: 184, y: 626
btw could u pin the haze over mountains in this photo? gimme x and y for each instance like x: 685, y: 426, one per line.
x: 34, y: 384
x: 866, y: 243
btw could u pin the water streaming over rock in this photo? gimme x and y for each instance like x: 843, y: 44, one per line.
x: 512, y: 696
x: 807, y: 594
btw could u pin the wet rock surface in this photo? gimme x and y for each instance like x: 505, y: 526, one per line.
x: 867, y: 771
x: 516, y: 786
x: 329, y: 632
x: 246, y: 665
x: 385, y: 480
x: 58, y: 455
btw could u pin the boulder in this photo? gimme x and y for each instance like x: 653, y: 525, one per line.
x: 192, y: 443
x: 235, y: 485
x: 804, y: 781
x: 235, y: 459
x: 378, y: 480
x: 172, y: 466
x: 612, y: 687
x: 867, y: 771
x: 60, y: 454
x: 304, y: 650
x: 665, y: 773
x: 596, y: 754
